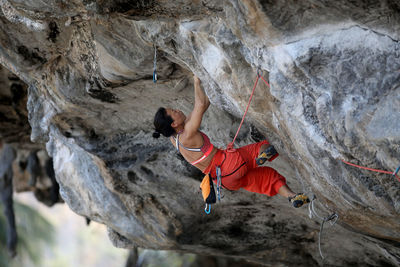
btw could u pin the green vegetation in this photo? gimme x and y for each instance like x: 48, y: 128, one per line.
x: 153, y: 258
x: 34, y: 232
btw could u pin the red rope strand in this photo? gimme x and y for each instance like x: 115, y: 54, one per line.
x: 262, y: 78
x: 370, y: 169
x: 230, y: 145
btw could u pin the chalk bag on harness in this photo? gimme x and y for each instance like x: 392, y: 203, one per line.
x: 208, y: 192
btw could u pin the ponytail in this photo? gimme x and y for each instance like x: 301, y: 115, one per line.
x: 156, y: 134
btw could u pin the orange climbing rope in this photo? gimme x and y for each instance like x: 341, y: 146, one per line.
x: 231, y: 144
x: 374, y: 170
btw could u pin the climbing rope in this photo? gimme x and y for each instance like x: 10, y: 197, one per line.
x: 230, y: 145
x: 331, y: 218
x: 374, y: 170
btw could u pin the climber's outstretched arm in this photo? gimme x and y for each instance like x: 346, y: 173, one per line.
x: 201, y: 104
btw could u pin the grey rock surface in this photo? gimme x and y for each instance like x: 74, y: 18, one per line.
x: 334, y: 71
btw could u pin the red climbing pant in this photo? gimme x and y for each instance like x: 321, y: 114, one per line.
x: 239, y: 170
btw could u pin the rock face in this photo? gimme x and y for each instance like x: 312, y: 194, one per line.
x: 334, y: 71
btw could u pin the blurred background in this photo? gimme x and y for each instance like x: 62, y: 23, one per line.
x: 57, y: 237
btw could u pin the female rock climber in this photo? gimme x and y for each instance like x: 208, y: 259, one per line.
x: 239, y: 168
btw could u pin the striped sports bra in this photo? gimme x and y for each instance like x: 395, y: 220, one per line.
x: 206, y: 148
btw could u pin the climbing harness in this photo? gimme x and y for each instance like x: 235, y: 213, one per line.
x: 374, y: 170
x: 155, y: 65
x: 207, y: 185
x: 230, y: 147
x: 331, y: 218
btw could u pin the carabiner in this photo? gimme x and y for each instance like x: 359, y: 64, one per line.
x: 207, y: 211
x: 154, y: 76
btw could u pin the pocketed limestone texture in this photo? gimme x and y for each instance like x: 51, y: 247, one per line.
x: 334, y: 71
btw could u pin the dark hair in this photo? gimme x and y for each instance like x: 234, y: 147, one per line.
x: 162, y: 123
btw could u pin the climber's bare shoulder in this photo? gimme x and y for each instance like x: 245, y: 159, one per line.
x: 193, y: 139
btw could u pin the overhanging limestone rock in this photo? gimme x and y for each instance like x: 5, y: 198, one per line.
x: 334, y: 75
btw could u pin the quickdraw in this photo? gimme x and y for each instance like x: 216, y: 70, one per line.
x: 155, y: 65
x: 219, y: 183
x: 330, y: 218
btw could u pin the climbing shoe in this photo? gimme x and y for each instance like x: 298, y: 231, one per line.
x: 269, y: 154
x: 299, y: 200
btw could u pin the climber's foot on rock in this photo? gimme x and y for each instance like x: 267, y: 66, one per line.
x: 299, y: 200
x: 268, y: 154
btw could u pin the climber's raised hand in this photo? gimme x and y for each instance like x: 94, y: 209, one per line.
x: 201, y: 103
